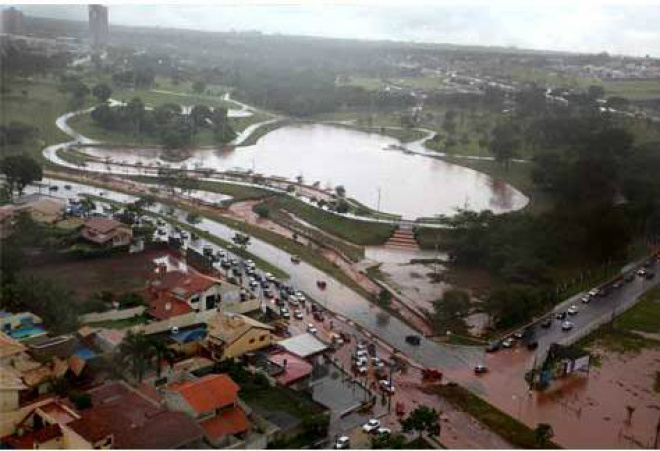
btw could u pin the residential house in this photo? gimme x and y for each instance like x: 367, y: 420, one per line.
x: 213, y: 402
x: 306, y: 346
x: 44, y: 210
x: 120, y: 417
x: 124, y: 417
x: 174, y: 293
x: 230, y: 335
x: 106, y: 232
x: 293, y: 371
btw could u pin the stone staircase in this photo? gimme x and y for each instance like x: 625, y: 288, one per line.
x: 403, y: 238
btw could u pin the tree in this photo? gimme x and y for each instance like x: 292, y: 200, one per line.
x: 543, y: 433
x: 505, y: 143
x: 102, y: 92
x: 340, y: 190
x: 450, y: 311
x: 136, y: 351
x: 198, y: 87
x: 389, y: 441
x: 20, y: 171
x: 595, y: 92
x: 241, y: 240
x: 262, y: 210
x: 385, y: 298
x: 422, y: 420
x: 162, y: 352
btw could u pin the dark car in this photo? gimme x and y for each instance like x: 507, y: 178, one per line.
x: 494, y: 346
x: 649, y: 275
x: 629, y: 277
x: 414, y: 340
x: 546, y: 323
x: 532, y: 345
x: 561, y: 315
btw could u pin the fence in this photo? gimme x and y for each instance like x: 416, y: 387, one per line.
x: 111, y: 315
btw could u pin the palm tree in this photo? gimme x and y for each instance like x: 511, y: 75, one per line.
x: 136, y: 351
x: 161, y: 351
x: 543, y: 434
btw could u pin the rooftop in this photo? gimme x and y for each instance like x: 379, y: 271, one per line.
x: 227, y: 327
x: 183, y: 284
x: 294, y: 367
x: 229, y: 422
x: 208, y: 393
x: 9, y: 346
x: 135, y: 420
x: 303, y: 345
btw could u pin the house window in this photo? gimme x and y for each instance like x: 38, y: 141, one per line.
x: 210, y: 302
x: 252, y: 340
x: 262, y: 338
x: 195, y: 299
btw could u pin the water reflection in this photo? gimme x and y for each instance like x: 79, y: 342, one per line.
x: 410, y: 185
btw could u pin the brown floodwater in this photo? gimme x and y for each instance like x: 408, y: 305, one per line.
x: 586, y: 410
x: 407, y: 184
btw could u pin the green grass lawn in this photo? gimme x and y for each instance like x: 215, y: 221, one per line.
x: 357, y: 232
x: 645, y: 316
x: 368, y: 83
x: 39, y: 108
x: 512, y: 430
x: 427, y: 82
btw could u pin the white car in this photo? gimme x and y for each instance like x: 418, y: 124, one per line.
x: 566, y: 325
x: 361, y: 370
x: 573, y: 310
x: 585, y: 299
x: 387, y: 386
x: 297, y: 314
x: 508, y: 343
x: 594, y: 292
x: 342, y: 442
x: 371, y: 426
x: 362, y: 353
x: 361, y: 361
x: 311, y: 329
x: 361, y: 347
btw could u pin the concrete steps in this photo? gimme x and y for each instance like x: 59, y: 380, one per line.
x: 403, y: 238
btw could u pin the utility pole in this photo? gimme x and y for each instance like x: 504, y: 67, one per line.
x: 378, y: 204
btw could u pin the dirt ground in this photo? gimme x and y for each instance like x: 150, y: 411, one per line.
x: 118, y: 273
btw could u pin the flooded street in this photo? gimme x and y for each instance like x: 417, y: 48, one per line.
x: 358, y: 161
x: 585, y: 410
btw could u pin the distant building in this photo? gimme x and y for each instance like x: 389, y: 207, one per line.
x: 98, y: 25
x: 230, y: 335
x: 12, y: 21
x: 107, y: 232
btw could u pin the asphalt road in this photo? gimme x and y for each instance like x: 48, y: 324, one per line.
x: 597, y: 310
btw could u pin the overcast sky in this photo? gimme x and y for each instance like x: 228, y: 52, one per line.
x: 631, y: 27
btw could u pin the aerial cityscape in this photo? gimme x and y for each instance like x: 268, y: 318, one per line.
x: 337, y: 226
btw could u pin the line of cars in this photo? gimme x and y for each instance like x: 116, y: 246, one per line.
x: 372, y: 427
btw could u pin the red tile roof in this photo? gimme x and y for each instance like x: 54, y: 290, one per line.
x: 158, y: 307
x: 135, y: 420
x: 295, y: 369
x: 30, y: 438
x: 208, y: 393
x: 183, y: 284
x: 229, y: 422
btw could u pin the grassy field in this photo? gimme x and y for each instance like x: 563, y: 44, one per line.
x: 368, y: 83
x: 357, y: 232
x: 645, y: 316
x: 427, y: 82
x: 633, y: 89
x: 512, y: 430
x: 39, y: 108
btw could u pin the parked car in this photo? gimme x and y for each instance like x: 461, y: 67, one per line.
x: 371, y: 426
x: 585, y: 299
x: 560, y: 315
x: 547, y: 323
x: 480, y: 369
x: 573, y: 310
x: 494, y: 346
x: 342, y: 442
x: 297, y: 314
x: 285, y: 314
x: 508, y: 343
x: 594, y: 292
x: 532, y: 345
x: 629, y: 277
x: 566, y: 325
x: 649, y: 275
x: 414, y: 340
x: 311, y: 329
